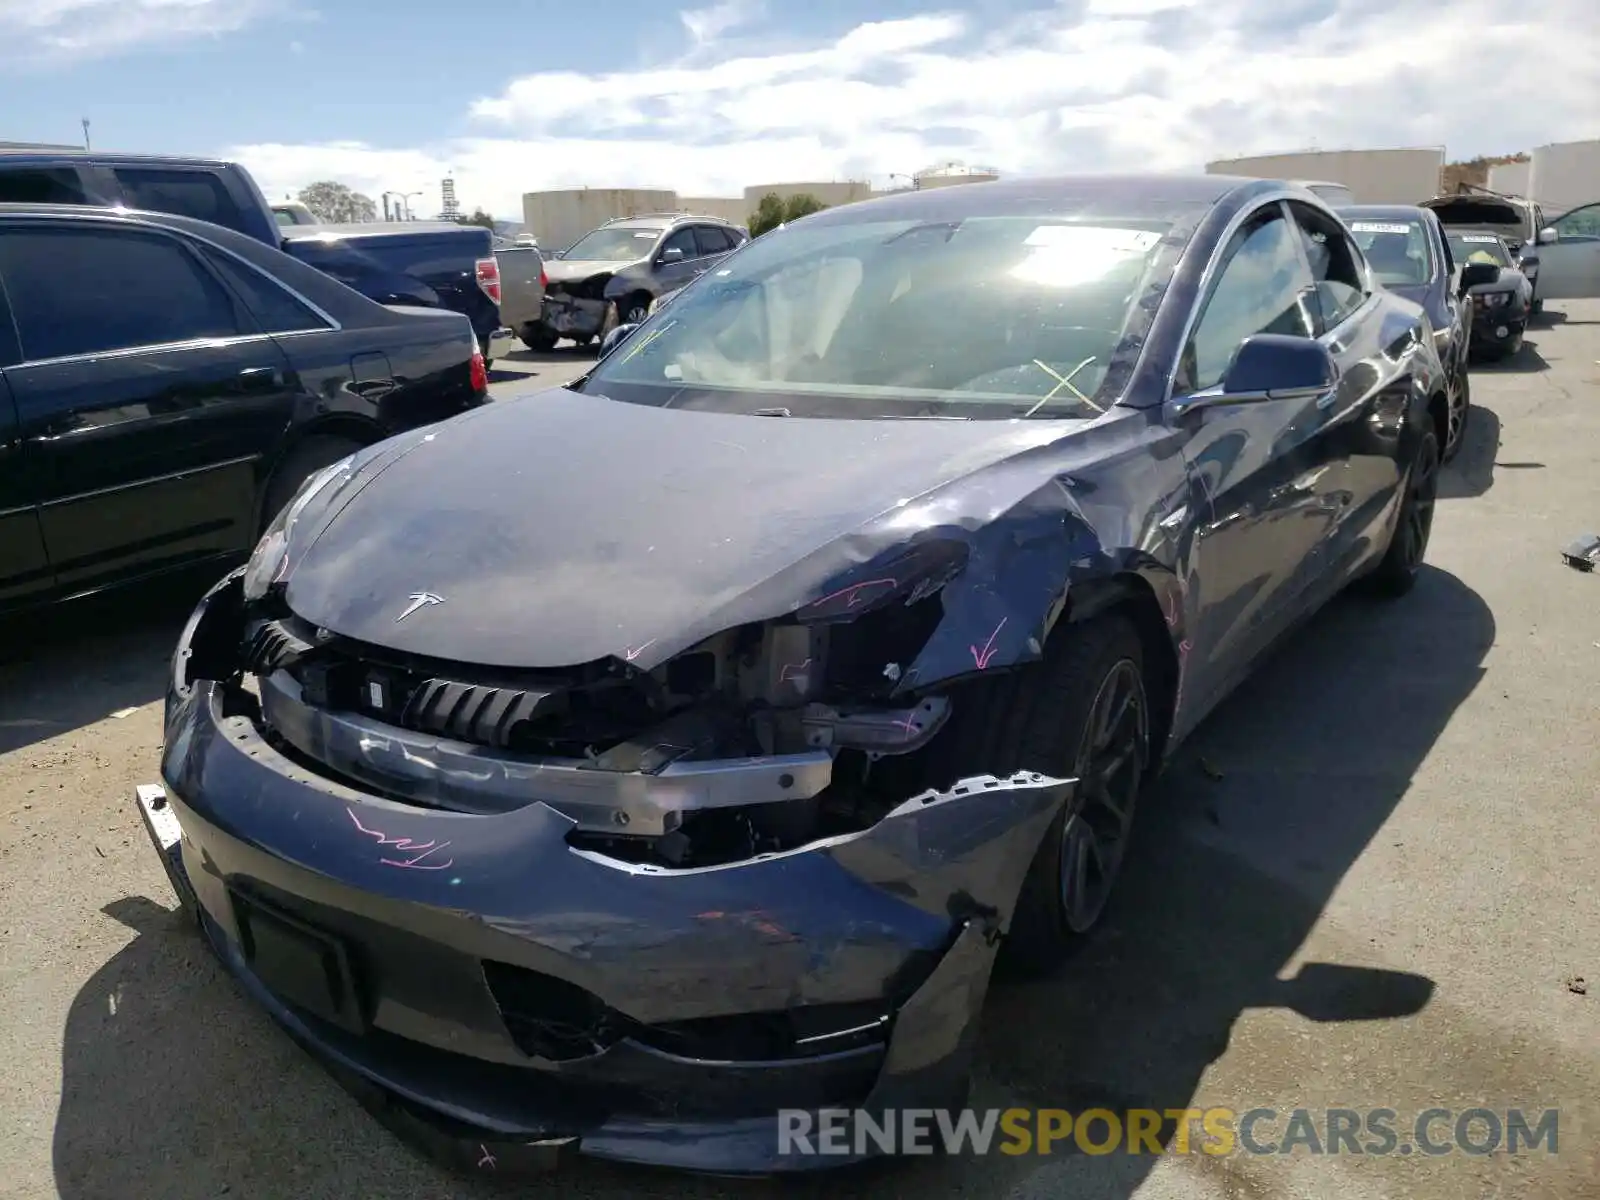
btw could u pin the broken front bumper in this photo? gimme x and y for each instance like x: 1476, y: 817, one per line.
x: 571, y: 316
x: 489, y: 988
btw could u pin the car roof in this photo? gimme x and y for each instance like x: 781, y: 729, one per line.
x: 1168, y: 193
x: 24, y: 154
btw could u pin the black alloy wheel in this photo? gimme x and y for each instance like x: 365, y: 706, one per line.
x: 1113, y: 754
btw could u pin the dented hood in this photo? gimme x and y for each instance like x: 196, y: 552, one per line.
x: 560, y: 270
x: 561, y: 528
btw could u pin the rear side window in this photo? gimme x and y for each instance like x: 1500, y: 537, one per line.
x: 713, y: 240
x: 197, y: 194
x: 85, y: 291
x: 274, y: 309
x: 43, y: 185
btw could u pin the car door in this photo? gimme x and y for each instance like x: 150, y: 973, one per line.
x: 146, y: 397
x: 24, y: 567
x: 1569, y: 267
x: 1247, y: 461
x: 1357, y: 424
x: 678, y: 261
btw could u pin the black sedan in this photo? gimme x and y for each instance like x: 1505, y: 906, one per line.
x: 615, y: 767
x: 166, y: 385
x: 1408, y: 252
x: 1501, y: 296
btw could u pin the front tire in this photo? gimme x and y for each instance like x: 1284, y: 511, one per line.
x: 1397, y: 572
x: 1081, y: 713
x: 538, y: 339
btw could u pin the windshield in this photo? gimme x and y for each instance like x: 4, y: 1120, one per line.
x: 1479, y: 248
x: 1397, y: 251
x: 614, y: 244
x: 979, y: 317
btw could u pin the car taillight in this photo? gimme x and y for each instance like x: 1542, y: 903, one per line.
x: 480, y: 372
x: 489, y: 278
x: 544, y: 280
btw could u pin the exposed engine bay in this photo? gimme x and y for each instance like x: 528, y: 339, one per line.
x: 758, y: 739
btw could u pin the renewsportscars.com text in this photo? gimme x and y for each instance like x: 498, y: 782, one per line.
x: 1214, y: 1131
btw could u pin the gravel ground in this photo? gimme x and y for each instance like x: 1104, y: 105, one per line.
x: 1404, y: 788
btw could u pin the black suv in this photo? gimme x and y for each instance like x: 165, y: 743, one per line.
x: 166, y: 385
x: 612, y: 275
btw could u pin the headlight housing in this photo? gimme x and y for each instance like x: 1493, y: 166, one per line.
x: 1495, y: 299
x: 269, y: 561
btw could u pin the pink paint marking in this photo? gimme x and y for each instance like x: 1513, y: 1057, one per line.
x: 1172, y: 611
x: 792, y: 670
x: 635, y: 651
x: 404, y: 845
x: 854, y: 592
x: 982, y: 657
x: 488, y: 1160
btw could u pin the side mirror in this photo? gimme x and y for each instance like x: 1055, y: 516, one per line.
x: 671, y: 255
x: 1528, y: 260
x: 1477, y: 274
x: 1269, y: 366
x: 614, y: 339
x: 1546, y: 236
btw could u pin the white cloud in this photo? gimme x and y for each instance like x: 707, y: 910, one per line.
x: 56, y: 29
x: 708, y: 24
x: 1102, y: 85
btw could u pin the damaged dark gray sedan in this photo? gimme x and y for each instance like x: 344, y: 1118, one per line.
x: 611, y: 768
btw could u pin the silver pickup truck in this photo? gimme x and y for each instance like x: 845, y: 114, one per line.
x: 522, y: 283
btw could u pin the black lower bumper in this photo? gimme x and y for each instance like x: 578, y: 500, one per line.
x: 504, y: 997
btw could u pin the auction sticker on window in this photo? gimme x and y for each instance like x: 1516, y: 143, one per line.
x: 1378, y: 227
x: 1480, y: 239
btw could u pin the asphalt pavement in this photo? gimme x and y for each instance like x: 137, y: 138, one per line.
x: 1370, y: 881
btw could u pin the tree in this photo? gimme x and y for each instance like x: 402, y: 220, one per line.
x: 336, y: 204
x: 774, y: 210
x: 479, y: 217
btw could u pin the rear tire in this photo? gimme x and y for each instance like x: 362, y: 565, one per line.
x: 1082, y: 712
x: 538, y: 339
x: 1396, y: 574
x: 303, y: 460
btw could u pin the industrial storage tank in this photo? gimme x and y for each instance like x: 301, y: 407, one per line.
x: 948, y: 174
x: 560, y: 218
x: 1403, y: 176
x: 1564, y: 176
x: 831, y: 192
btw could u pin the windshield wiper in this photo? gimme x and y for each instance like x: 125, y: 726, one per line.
x: 949, y: 227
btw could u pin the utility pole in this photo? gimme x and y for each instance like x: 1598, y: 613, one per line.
x: 86, y: 145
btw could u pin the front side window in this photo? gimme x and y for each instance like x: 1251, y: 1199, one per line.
x: 1397, y: 251
x: 1262, y: 288
x: 90, y: 290
x: 1335, y: 266
x: 627, y: 243
x: 680, y: 246
x: 982, y: 316
x: 1580, y: 225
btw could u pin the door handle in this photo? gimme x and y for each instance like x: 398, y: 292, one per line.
x: 252, y: 378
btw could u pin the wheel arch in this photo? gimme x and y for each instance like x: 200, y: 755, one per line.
x: 345, y: 426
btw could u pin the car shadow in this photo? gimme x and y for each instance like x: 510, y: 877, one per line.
x: 1525, y: 361
x: 182, y: 1088
x: 73, y: 664
x: 1471, y: 472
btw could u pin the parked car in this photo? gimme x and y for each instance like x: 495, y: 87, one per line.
x: 166, y: 385
x: 552, y: 795
x: 1336, y: 194
x: 1520, y: 223
x: 1501, y: 296
x: 293, y: 212
x: 435, y: 265
x: 522, y: 284
x: 613, y: 274
x: 1407, y: 250
x: 1569, y: 256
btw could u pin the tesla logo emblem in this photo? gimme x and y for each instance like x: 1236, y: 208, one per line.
x: 418, y: 600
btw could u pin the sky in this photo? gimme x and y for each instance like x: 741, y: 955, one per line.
x: 523, y: 95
